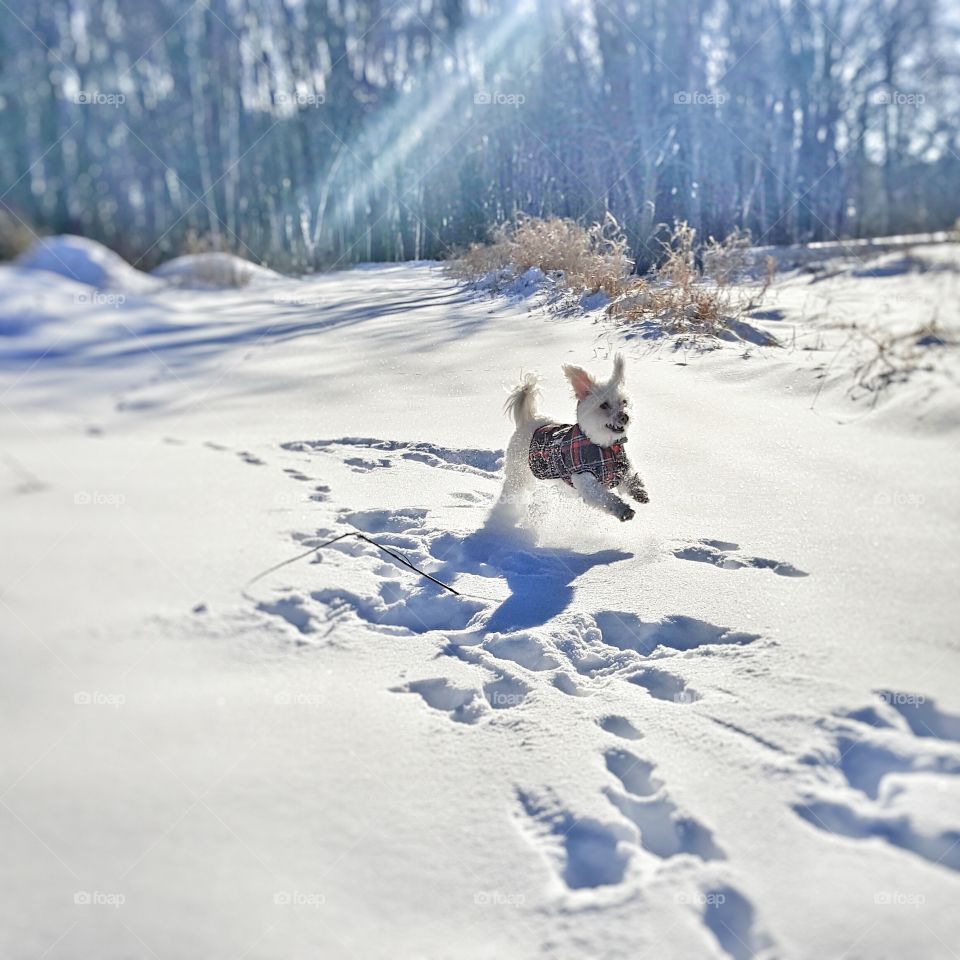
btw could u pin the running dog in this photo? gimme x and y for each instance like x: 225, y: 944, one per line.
x: 587, y: 455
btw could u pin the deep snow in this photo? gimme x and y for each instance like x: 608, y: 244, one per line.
x: 728, y: 728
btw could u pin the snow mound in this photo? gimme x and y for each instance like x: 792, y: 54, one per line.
x: 213, y: 271
x: 88, y: 262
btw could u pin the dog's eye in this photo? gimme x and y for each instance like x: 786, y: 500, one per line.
x: 604, y: 406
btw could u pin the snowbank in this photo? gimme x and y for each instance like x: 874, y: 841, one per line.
x: 88, y: 262
x: 93, y: 264
x: 213, y: 271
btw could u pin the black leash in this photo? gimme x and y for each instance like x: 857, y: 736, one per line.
x: 366, y: 539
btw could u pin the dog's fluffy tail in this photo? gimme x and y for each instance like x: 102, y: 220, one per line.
x: 521, y: 405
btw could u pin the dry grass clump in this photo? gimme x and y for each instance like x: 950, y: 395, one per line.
x: 691, y: 293
x: 682, y: 301
x: 589, y: 259
x: 729, y: 259
x: 895, y: 356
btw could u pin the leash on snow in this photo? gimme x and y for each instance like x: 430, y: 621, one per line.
x: 366, y: 539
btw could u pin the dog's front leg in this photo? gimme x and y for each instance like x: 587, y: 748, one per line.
x: 632, y: 486
x: 597, y: 495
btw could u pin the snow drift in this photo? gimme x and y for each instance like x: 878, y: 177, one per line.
x: 87, y: 262
x: 213, y: 271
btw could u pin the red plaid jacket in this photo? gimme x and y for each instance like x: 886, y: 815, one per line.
x: 559, y: 450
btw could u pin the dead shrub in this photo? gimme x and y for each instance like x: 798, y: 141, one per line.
x: 681, y: 301
x: 674, y: 296
x: 728, y: 260
x: 589, y: 259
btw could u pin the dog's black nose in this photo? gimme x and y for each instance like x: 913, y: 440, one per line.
x: 624, y: 418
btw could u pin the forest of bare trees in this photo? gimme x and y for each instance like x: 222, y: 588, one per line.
x: 310, y: 133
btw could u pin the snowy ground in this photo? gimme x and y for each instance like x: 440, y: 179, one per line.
x: 729, y: 728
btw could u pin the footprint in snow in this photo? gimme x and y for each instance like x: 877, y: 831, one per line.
x: 387, y: 453
x: 295, y: 612
x: 662, y: 829
x: 634, y: 774
x: 586, y: 853
x: 470, y: 499
x: 626, y: 631
x: 505, y: 692
x: 319, y: 494
x: 523, y: 649
x: 722, y: 553
x: 296, y: 474
x: 731, y: 918
x: 612, y: 644
x: 664, y: 686
x: 397, y: 610
x: 592, y: 853
x: 386, y: 521
x: 364, y: 465
x: 893, y: 770
x: 462, y: 705
x: 292, y: 610
x: 922, y: 715
x: 620, y: 727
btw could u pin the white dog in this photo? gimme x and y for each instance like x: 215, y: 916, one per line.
x: 588, y: 455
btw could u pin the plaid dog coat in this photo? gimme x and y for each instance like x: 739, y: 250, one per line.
x: 559, y: 450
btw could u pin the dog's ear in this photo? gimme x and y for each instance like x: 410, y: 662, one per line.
x: 618, y: 368
x: 580, y: 380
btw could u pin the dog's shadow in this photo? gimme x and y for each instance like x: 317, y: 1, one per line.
x: 540, y: 579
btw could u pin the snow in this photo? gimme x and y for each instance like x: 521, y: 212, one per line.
x: 92, y: 264
x: 86, y: 262
x: 213, y: 271
x: 728, y: 728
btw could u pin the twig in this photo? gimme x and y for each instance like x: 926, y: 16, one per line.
x: 366, y: 539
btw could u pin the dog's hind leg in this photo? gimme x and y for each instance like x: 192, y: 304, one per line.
x: 512, y: 503
x: 597, y: 495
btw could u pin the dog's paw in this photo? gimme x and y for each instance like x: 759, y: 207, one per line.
x: 638, y: 491
x: 626, y: 512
